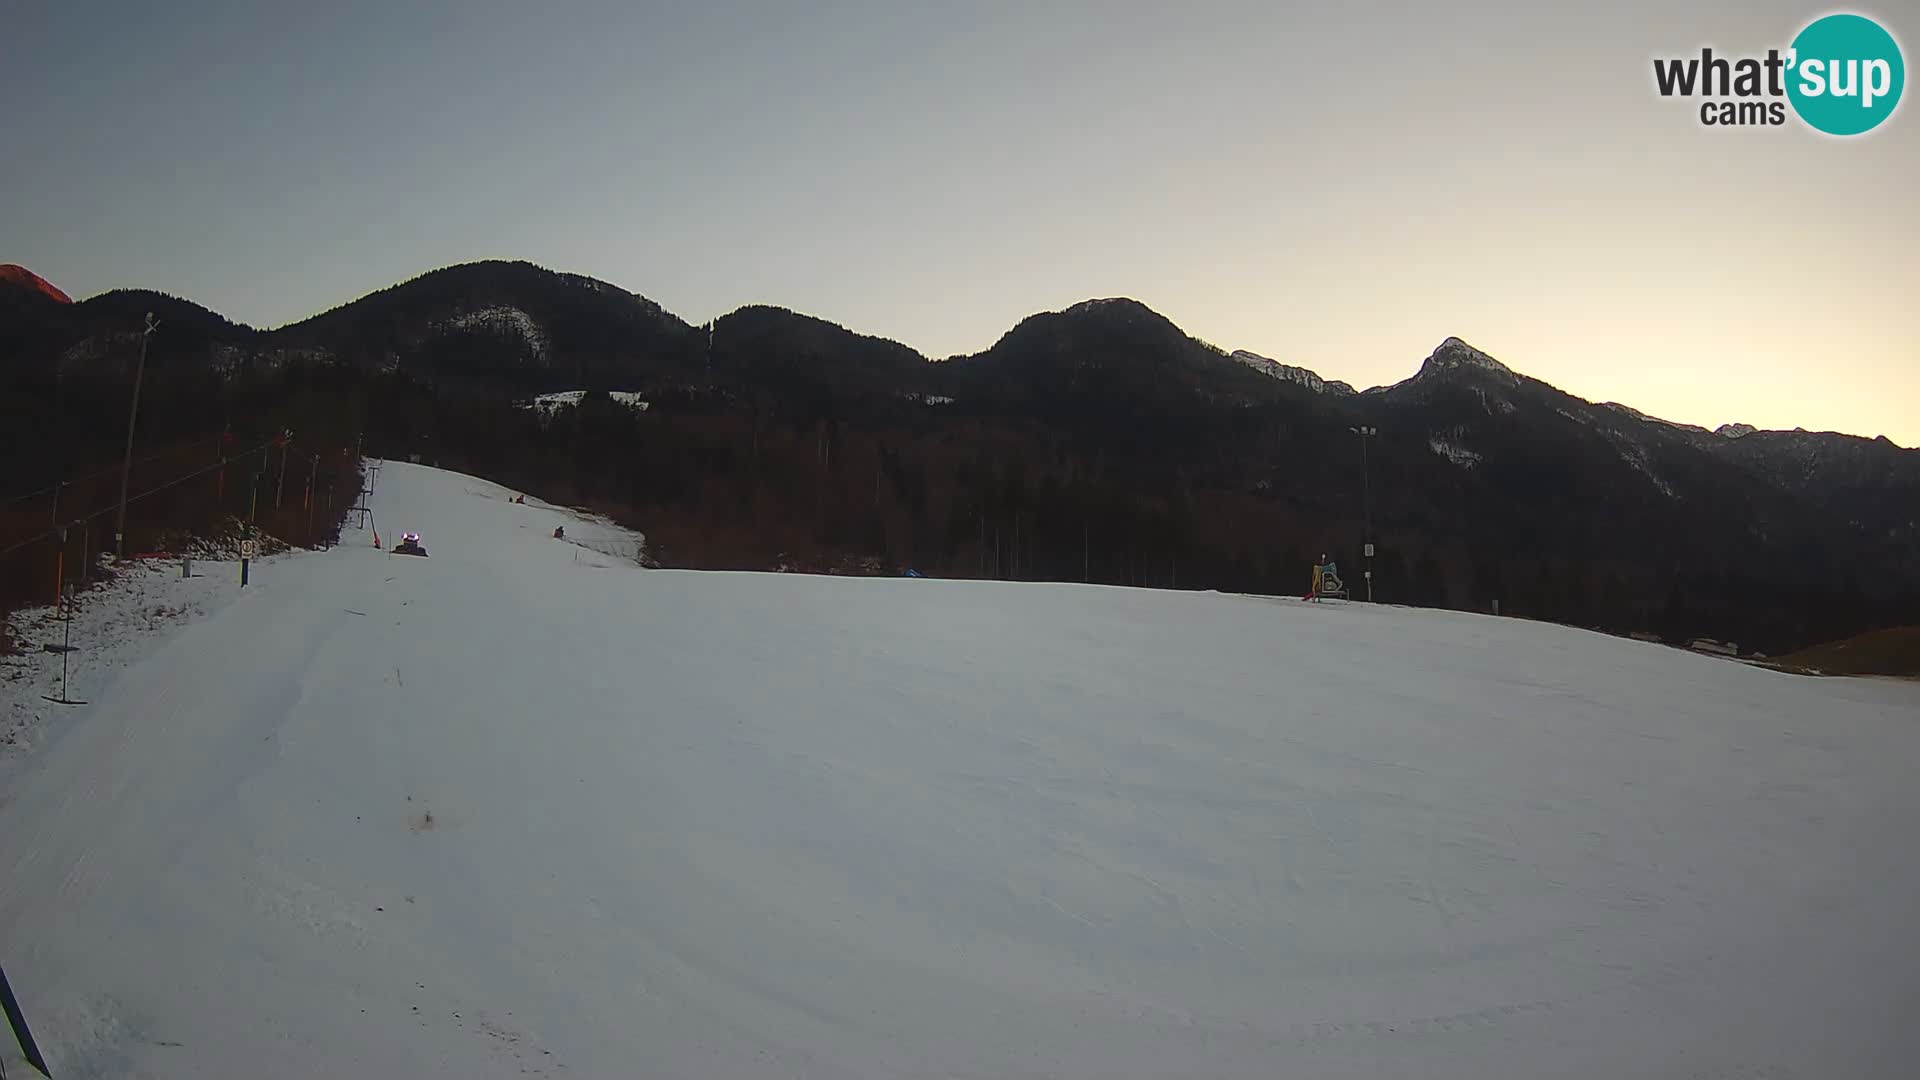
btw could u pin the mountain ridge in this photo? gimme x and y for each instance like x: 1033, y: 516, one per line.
x: 774, y: 438
x: 310, y: 335
x: 17, y: 275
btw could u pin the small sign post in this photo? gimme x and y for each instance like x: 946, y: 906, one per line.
x: 65, y: 648
x: 249, y: 550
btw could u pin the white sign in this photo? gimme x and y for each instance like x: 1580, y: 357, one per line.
x: 249, y: 549
x: 1369, y: 551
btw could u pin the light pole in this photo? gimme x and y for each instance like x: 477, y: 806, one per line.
x: 1366, y: 503
x: 126, y: 469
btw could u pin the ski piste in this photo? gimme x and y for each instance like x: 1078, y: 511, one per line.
x: 537, y: 810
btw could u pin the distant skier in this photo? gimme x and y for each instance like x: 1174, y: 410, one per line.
x: 559, y: 532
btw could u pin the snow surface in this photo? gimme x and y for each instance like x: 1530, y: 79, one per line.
x: 114, y: 625
x: 523, y: 809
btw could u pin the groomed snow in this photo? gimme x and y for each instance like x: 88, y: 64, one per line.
x: 523, y: 809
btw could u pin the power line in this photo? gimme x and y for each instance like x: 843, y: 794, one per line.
x: 31, y: 540
x: 96, y: 474
x: 35, y: 495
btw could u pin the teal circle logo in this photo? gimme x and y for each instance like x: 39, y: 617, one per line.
x: 1845, y: 74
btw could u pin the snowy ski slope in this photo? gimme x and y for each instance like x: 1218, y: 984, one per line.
x: 524, y: 809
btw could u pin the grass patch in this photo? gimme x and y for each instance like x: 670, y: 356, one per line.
x: 1879, y: 652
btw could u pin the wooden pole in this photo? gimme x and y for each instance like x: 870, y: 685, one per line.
x: 60, y: 551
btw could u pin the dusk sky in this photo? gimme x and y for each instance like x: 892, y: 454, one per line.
x: 1335, y: 188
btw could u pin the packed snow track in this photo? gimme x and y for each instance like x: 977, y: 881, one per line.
x: 525, y: 809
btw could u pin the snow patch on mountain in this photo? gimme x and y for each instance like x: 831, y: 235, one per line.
x: 548, y: 404
x: 1692, y: 429
x: 506, y: 322
x: 1495, y: 404
x: 1107, y: 303
x: 1635, y: 456
x: 1456, y: 355
x: 1735, y: 431
x: 1288, y: 373
x: 1634, y: 452
x: 1448, y: 445
x: 99, y: 348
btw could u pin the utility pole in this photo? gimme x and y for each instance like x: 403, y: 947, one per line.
x: 60, y: 551
x: 312, y: 474
x: 286, y: 441
x: 1366, y: 503
x: 133, y: 414
x: 253, y: 497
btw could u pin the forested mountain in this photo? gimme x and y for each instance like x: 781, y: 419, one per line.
x: 1099, y: 443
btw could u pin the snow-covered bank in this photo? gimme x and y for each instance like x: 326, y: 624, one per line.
x: 114, y: 625
x: 522, y: 809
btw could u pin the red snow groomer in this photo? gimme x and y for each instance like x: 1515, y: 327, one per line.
x: 409, y: 545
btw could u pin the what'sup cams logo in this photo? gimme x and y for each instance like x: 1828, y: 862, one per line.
x: 1842, y: 75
